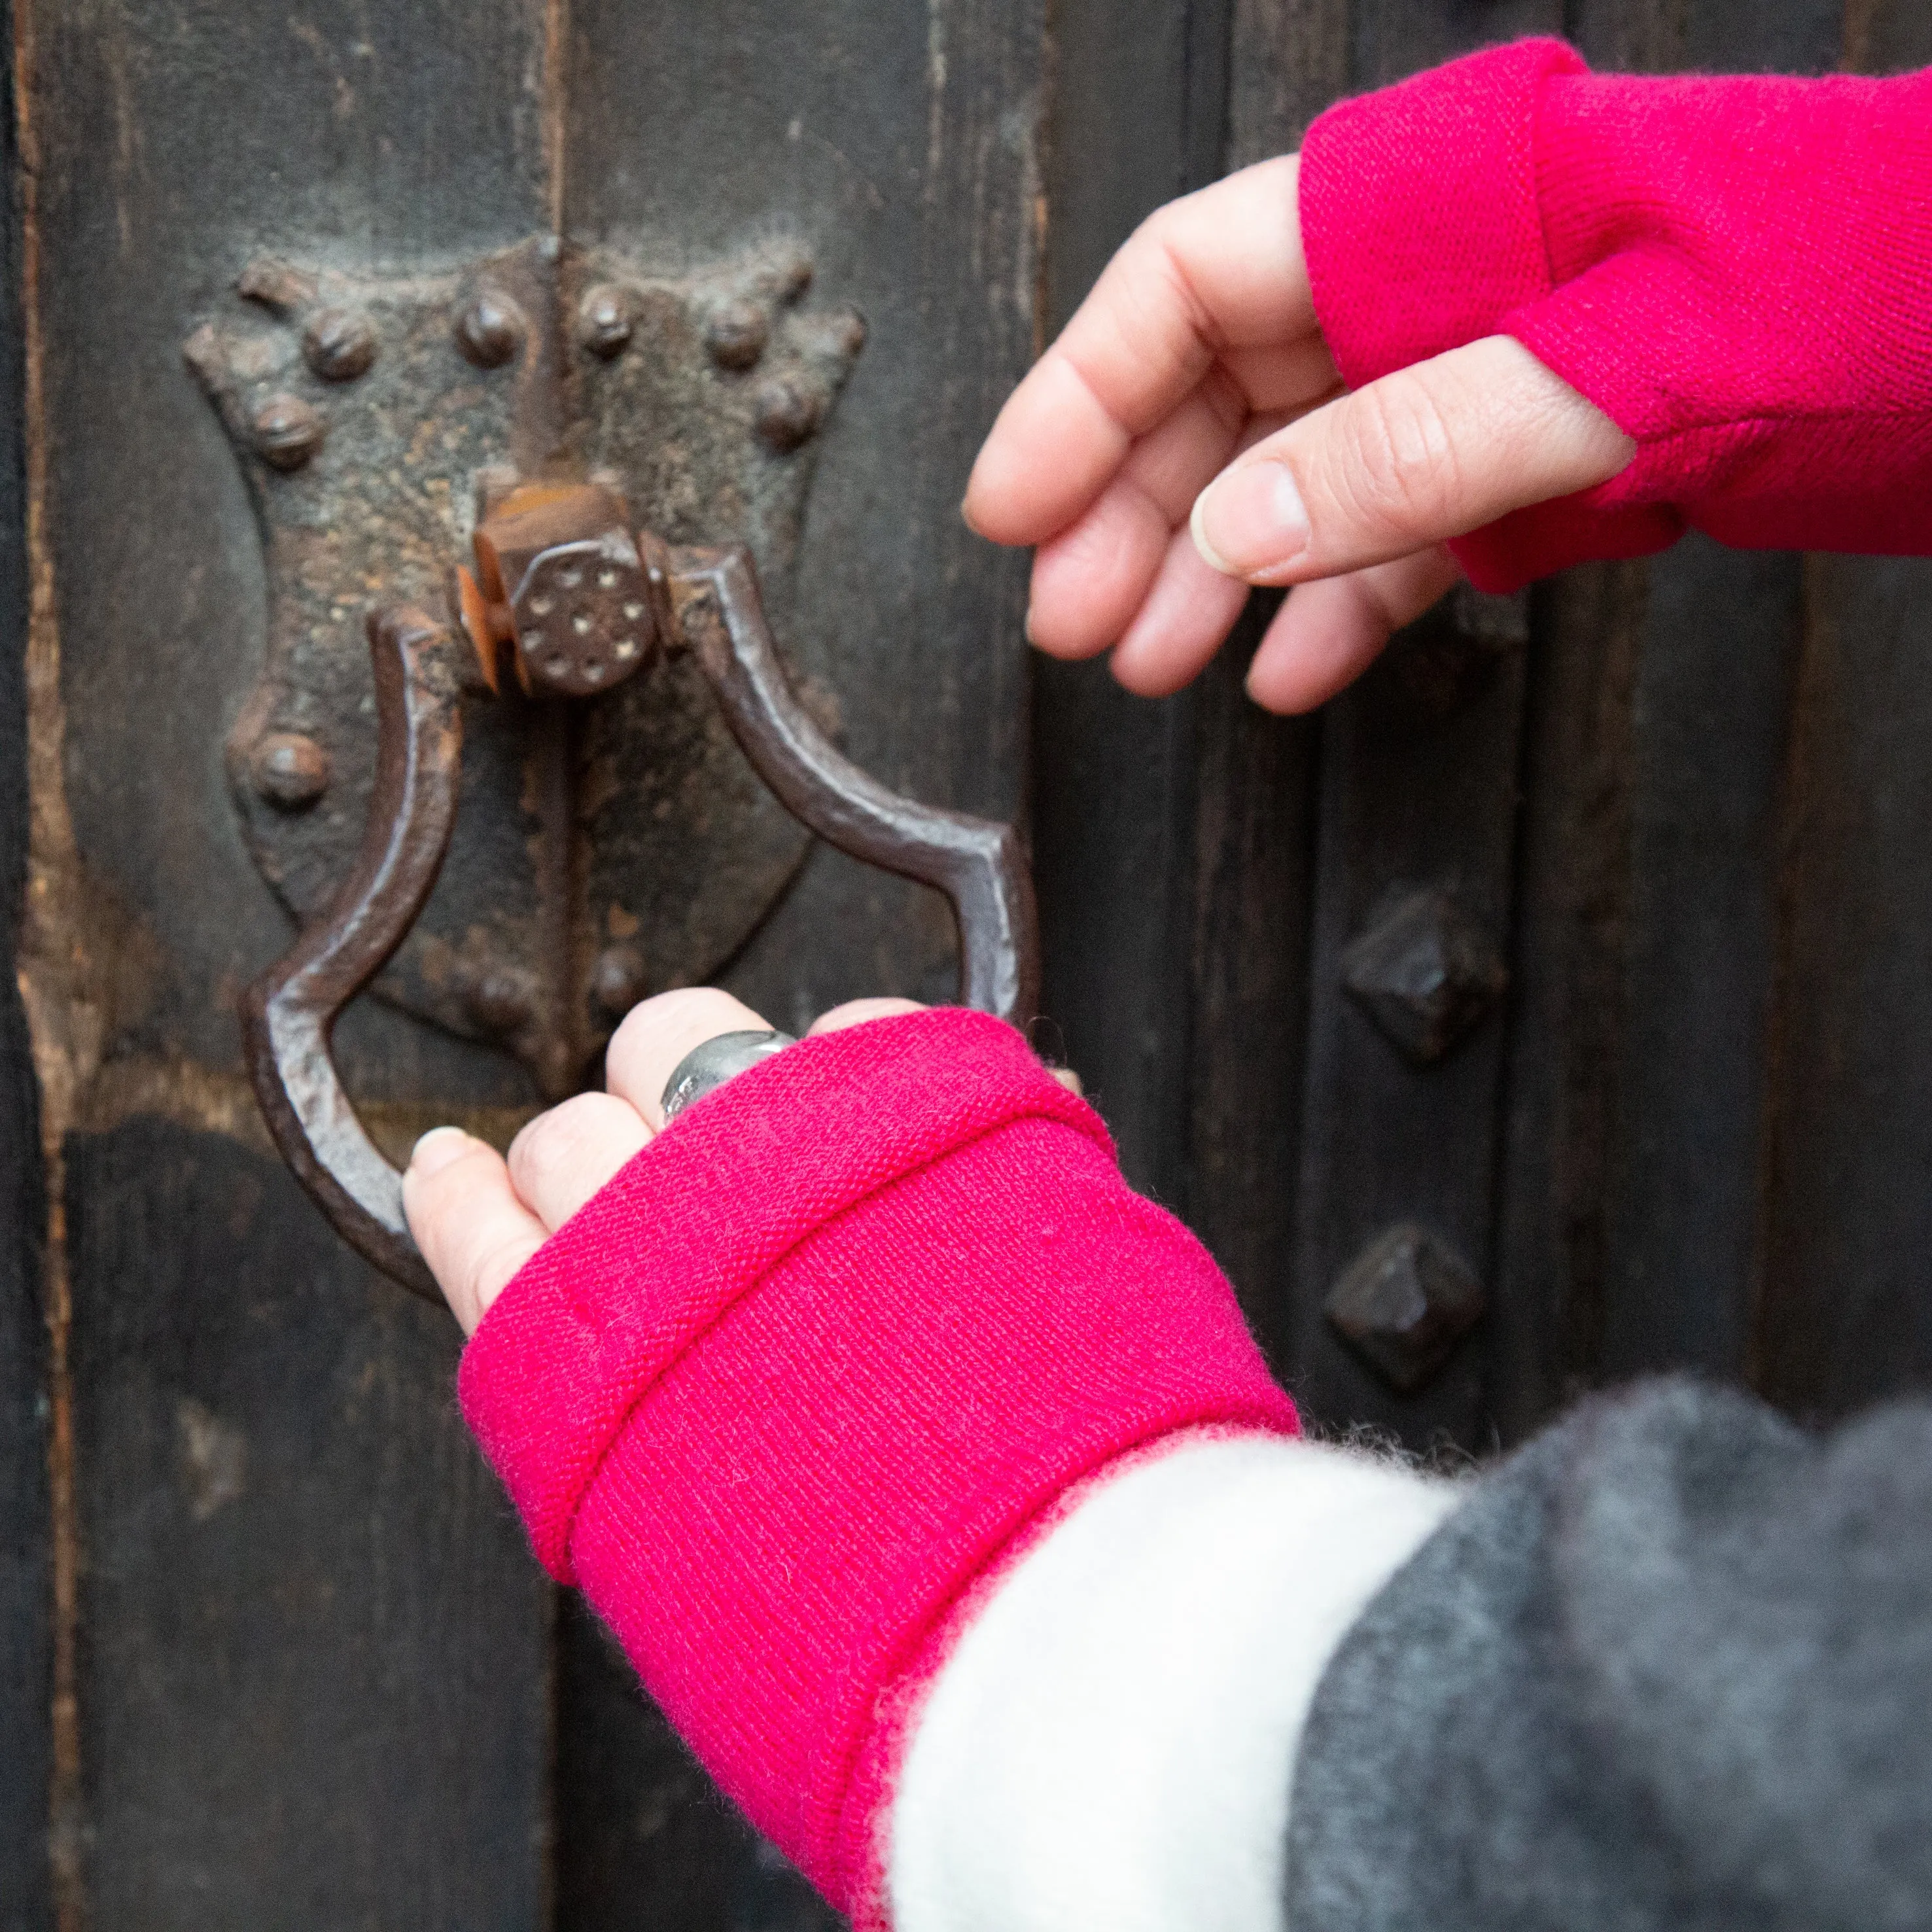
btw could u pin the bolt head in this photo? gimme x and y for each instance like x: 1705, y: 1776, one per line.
x: 339, y: 346
x: 290, y: 770
x: 1404, y: 1303
x: 563, y: 560
x: 618, y: 980
x: 736, y: 333
x: 605, y: 324
x: 489, y: 331
x: 787, y: 412
x: 288, y: 432
x: 582, y: 616
x: 1425, y: 973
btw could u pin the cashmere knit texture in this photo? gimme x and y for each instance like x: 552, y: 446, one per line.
x: 823, y: 1356
x: 1737, y: 270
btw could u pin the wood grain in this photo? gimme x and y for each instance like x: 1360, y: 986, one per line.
x: 1845, y: 1308
x: 25, y: 1579
x: 1114, y: 776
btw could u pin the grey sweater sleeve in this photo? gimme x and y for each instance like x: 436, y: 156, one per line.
x: 1670, y: 1666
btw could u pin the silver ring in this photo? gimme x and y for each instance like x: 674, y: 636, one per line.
x: 706, y: 1068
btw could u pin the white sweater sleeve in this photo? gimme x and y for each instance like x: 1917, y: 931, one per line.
x: 1111, y: 1743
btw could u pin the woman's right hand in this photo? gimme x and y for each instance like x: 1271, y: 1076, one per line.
x: 1193, y: 386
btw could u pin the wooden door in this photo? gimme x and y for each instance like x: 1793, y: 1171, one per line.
x: 271, y: 1652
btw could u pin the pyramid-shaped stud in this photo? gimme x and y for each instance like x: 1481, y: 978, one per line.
x: 1404, y: 1303
x: 1425, y: 971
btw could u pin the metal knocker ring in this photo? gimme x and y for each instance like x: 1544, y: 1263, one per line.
x: 705, y: 600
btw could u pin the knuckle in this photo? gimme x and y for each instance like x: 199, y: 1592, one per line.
x: 1152, y: 285
x: 675, y: 1007
x: 1399, y: 463
x: 491, y: 1263
x: 679, y: 1011
x: 859, y: 1013
x: 551, y: 1144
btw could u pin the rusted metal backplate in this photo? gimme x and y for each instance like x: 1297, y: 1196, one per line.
x: 603, y: 851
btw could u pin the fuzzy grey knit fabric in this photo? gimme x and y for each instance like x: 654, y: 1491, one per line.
x: 1670, y: 1666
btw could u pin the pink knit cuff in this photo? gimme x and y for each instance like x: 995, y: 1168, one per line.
x: 1422, y: 230
x: 1419, y: 209
x: 1733, y: 268
x: 814, y: 1363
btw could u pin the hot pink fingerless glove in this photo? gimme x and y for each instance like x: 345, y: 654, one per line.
x: 1737, y: 270
x: 794, y: 1386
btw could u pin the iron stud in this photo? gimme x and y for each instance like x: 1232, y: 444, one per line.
x: 1425, y: 972
x: 339, y: 346
x: 1404, y: 1303
x: 288, y: 432
x: 736, y: 333
x: 290, y: 770
x: 787, y: 413
x: 490, y: 331
x: 605, y: 324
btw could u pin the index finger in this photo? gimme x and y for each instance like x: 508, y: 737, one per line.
x: 466, y: 1217
x: 1221, y: 269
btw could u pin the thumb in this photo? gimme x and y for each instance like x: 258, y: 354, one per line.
x: 1430, y: 452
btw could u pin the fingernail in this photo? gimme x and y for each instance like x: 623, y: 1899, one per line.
x: 1250, y: 519
x: 437, y: 1149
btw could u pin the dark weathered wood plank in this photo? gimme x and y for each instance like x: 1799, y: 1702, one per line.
x: 1253, y: 857
x: 25, y: 1579
x: 1632, y: 1195
x: 1566, y: 996
x: 1845, y: 1311
x: 322, y: 1700
x: 1112, y: 824
x: 1709, y: 36
x: 1393, y: 38
x: 643, y: 1837
x: 313, y: 1692
x: 1290, y: 59
x: 1114, y: 776
x: 25, y: 1583
x: 1886, y: 36
x: 1712, y: 700
x: 1418, y: 789
x: 1845, y: 1314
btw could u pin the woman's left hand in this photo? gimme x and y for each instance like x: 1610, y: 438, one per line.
x: 478, y: 1217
